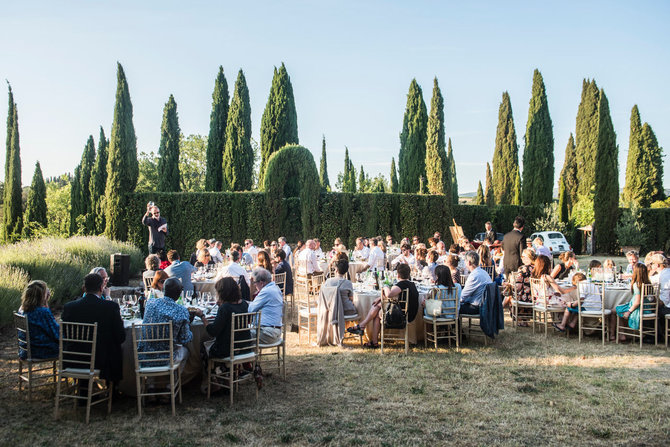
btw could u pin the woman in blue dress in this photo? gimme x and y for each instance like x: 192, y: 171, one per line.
x: 41, y: 322
x: 631, y: 310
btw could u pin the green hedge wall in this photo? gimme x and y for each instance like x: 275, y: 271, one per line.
x: 234, y: 216
x: 657, y: 224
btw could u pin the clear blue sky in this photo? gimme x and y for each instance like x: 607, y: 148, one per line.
x: 350, y: 62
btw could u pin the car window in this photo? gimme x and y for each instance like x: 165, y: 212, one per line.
x: 555, y: 236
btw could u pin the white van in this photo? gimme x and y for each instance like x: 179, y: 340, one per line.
x: 554, y: 241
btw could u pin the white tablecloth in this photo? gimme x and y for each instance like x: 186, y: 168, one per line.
x: 616, y: 296
x: 205, y: 286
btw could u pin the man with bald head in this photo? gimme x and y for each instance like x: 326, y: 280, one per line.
x: 307, y: 262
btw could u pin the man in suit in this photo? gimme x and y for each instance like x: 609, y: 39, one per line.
x: 91, y: 308
x: 513, y: 245
x: 490, y: 234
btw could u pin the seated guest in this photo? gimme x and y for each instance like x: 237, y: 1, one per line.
x: 41, y: 322
x: 234, y: 269
x: 442, y: 251
x: 405, y: 257
x: 376, y: 260
x: 631, y: 310
x: 553, y: 292
x: 215, y: 251
x: 105, y: 280
x: 522, y: 283
x: 307, y: 260
x: 152, y: 263
x: 271, y: 304
x: 540, y: 248
x: 204, y: 260
x: 263, y: 260
x: 429, y: 270
x: 660, y: 266
x: 266, y: 245
x: 346, y: 288
x: 420, y: 254
x: 273, y: 249
x: 567, y: 263
x: 432, y: 242
x: 633, y: 260
x: 373, y: 320
x: 92, y: 309
x: 609, y: 264
x: 166, y: 309
x: 230, y: 302
x: 454, y: 249
x: 300, y: 246
x: 473, y: 290
x: 201, y: 245
x: 573, y: 302
x: 594, y: 264
x: 443, y: 281
x: 415, y: 242
x: 162, y: 255
x: 284, y: 246
x: 317, y: 246
x: 452, y: 263
x: 361, y: 252
x: 484, y: 256
x: 181, y: 270
x: 157, y: 284
x: 284, y: 267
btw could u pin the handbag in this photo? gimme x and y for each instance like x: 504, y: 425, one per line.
x: 394, y: 317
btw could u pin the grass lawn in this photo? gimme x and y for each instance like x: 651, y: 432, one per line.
x: 522, y: 390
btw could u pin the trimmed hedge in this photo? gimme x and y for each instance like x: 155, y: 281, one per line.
x: 234, y: 216
x: 657, y: 223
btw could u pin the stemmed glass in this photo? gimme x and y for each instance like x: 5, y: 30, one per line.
x: 189, y: 296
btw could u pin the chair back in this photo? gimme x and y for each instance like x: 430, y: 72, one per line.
x: 443, y: 304
x: 77, y: 345
x: 301, y: 269
x: 491, y: 270
x: 464, y: 278
x: 280, y: 280
x: 649, y: 300
x: 153, y: 345
x: 241, y: 340
x: 315, y: 283
x: 512, y: 282
x: 23, y: 334
x: 147, y: 282
x: 538, y: 291
x: 592, y: 295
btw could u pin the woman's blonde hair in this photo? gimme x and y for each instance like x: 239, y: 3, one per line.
x: 530, y: 254
x: 484, y: 256
x: 34, y: 295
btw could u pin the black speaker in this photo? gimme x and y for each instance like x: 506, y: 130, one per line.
x: 119, y: 269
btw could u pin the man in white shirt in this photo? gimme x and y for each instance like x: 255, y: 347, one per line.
x: 361, y: 252
x: 284, y: 246
x: 215, y: 251
x: 234, y: 269
x: 317, y: 249
x: 307, y: 261
x: 441, y: 251
x: 659, y: 265
x: 250, y: 249
x: 405, y: 257
x: 376, y: 260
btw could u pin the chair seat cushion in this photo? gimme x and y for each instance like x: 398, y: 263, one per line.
x: 270, y: 345
x: 156, y: 369
x: 438, y: 319
x: 247, y: 356
x: 468, y: 315
x: 522, y: 303
x: 351, y: 317
x: 308, y: 312
x: 79, y: 372
x: 549, y: 309
x: 595, y: 313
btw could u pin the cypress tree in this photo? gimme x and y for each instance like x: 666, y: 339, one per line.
x: 10, y: 126
x: 36, y: 207
x: 363, y: 181
x: 506, y: 155
x: 217, y: 134
x: 122, y: 166
x: 479, y: 198
x: 632, y: 191
x: 13, y: 209
x: 606, y: 194
x: 75, y: 200
x: 490, y: 197
x: 238, y: 155
x: 393, y: 179
x: 349, y: 174
x: 655, y: 160
x: 412, y: 156
x: 452, y: 173
x: 279, y: 125
x: 437, y: 170
x: 168, y: 150
x: 323, y: 167
x: 97, y: 184
x: 517, y: 189
x: 567, y: 184
x: 586, y: 137
x: 86, y: 171
x: 538, y: 154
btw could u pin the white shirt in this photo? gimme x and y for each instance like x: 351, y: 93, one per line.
x: 215, y: 253
x: 253, y: 252
x: 362, y: 254
x: 376, y: 259
x: 308, y: 262
x: 287, y: 250
x: 664, y: 286
x: 402, y: 259
x: 318, y: 252
x: 234, y: 270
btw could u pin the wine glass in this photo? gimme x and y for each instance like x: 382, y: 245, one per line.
x: 189, y: 296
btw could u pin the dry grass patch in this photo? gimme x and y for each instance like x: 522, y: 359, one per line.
x: 521, y: 390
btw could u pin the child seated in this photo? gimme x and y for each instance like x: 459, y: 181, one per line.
x: 572, y: 300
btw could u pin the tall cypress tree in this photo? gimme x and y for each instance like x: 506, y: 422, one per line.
x: 13, y: 210
x: 635, y: 172
x: 122, y: 166
x: 437, y: 170
x: 506, y: 155
x: 279, y: 125
x: 75, y: 200
x: 238, y: 156
x: 538, y: 154
x: 452, y: 173
x: 516, y: 200
x: 10, y: 126
x: 567, y: 195
x: 412, y: 156
x: 586, y: 137
x: 36, y: 207
x: 393, y: 178
x: 168, y: 150
x: 362, y: 181
x: 654, y: 155
x: 97, y: 184
x: 86, y: 171
x: 479, y: 198
x: 323, y: 167
x: 349, y: 174
x: 217, y: 133
x: 606, y: 195
x: 489, y: 197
